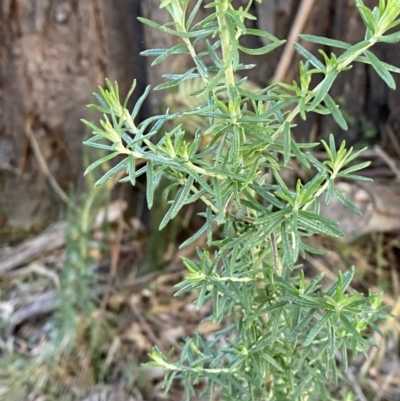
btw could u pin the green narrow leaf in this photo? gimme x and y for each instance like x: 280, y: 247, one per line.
x: 92, y: 142
x: 332, y: 146
x: 332, y: 342
x: 343, y: 351
x: 178, y: 49
x: 181, y: 197
x: 235, y: 147
x: 339, y: 287
x: 213, y: 378
x: 347, y: 277
x: 302, y: 105
x: 139, y: 102
x: 345, y: 201
x: 272, y: 361
x: 269, y: 197
x: 193, y: 14
x: 120, y: 166
x: 150, y: 184
x: 194, y: 237
x: 201, y: 67
x: 104, y: 106
x: 320, y: 40
x: 317, y: 328
x: 261, y: 33
x: 324, y: 89
x: 381, y: 70
x: 96, y: 130
x: 336, y: 113
x: 392, y: 38
x: 313, y: 226
x: 165, y: 3
x: 287, y: 246
x: 287, y: 139
x: 329, y: 191
x: 218, y: 199
x: 175, y: 82
x: 356, y: 167
x: 132, y: 169
x: 389, y: 67
x: 309, y: 57
x: 352, y: 330
x: 203, y: 183
x: 215, y: 81
x: 213, y: 55
x: 100, y: 161
x: 368, y: 18
x: 128, y: 95
x: 202, y: 296
x: 281, y: 183
x: 138, y: 173
x: 352, y: 51
x: 262, y: 50
x: 149, y: 23
x: 299, y: 154
x: 168, y: 380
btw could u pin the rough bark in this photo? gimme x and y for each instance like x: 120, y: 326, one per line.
x: 53, y: 54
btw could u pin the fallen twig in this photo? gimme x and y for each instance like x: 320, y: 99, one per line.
x: 297, y: 27
x: 387, y: 159
x: 52, y: 238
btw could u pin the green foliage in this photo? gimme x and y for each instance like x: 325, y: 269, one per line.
x: 282, y: 333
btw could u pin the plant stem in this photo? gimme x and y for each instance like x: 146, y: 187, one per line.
x: 226, y: 45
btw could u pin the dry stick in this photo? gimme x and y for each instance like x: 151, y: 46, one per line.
x: 52, y: 238
x: 43, y: 165
x: 38, y: 305
x: 356, y: 387
x: 387, y: 159
x: 393, y: 138
x: 8, y: 167
x: 147, y: 328
x: 378, y: 339
x: 297, y: 27
x: 380, y: 392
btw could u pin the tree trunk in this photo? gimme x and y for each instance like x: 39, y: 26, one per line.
x: 53, y: 55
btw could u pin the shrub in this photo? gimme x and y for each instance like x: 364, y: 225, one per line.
x: 284, y: 338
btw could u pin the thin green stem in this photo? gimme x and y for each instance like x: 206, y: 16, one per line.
x: 222, y: 9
